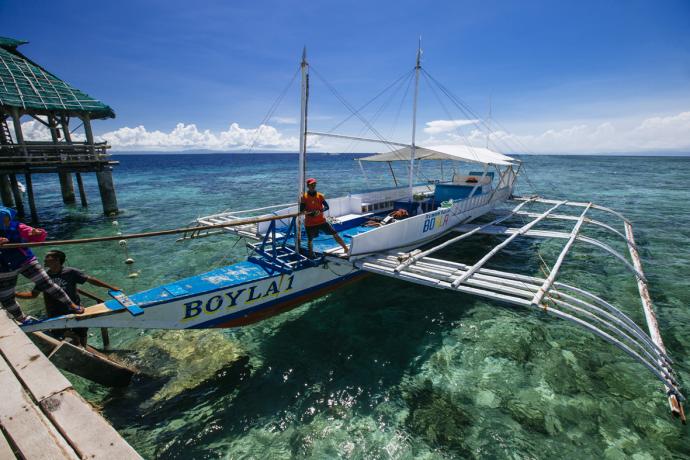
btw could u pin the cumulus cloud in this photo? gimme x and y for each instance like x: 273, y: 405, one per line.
x: 667, y: 133
x: 446, y: 126
x: 670, y: 133
x: 188, y: 136
x: 34, y: 130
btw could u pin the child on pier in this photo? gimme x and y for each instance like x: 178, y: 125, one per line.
x: 22, y: 261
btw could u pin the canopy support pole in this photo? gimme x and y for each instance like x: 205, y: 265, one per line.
x: 392, y: 172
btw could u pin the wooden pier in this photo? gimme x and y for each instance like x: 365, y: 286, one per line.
x: 29, y: 93
x: 41, y: 415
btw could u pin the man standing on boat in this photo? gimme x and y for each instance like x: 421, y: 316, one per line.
x: 313, y: 206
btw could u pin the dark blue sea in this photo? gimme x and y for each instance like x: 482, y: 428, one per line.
x: 381, y: 368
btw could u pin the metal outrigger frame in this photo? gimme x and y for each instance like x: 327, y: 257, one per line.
x: 546, y: 294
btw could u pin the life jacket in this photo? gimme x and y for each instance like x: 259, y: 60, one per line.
x: 12, y: 259
x: 311, y: 204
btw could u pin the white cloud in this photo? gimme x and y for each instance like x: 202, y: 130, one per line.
x: 446, y: 126
x: 185, y: 137
x: 668, y: 133
x: 284, y: 120
x: 655, y: 133
x: 33, y: 130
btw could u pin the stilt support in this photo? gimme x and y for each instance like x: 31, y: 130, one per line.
x: 107, y: 189
x: 6, y: 191
x: 32, y: 203
x: 17, y: 195
x: 67, y: 187
x: 82, y: 193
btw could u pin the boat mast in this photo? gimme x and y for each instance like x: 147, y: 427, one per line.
x: 414, y: 115
x: 302, y: 145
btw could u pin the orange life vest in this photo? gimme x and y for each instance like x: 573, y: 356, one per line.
x: 311, y: 204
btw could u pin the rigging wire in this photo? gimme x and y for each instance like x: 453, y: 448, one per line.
x: 272, y: 109
x: 468, y: 111
x: 402, y: 101
x: 381, y: 108
x: 352, y: 109
x: 370, y: 101
x: 450, y: 117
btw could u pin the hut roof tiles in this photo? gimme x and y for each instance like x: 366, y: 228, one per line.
x: 28, y: 86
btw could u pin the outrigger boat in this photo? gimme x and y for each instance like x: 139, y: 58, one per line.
x: 278, y: 276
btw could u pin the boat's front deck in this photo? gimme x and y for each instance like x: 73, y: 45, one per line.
x: 346, y: 226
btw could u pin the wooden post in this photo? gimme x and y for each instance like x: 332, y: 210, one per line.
x: 107, y: 189
x: 17, y: 195
x: 6, y: 191
x: 67, y: 187
x: 105, y: 336
x: 104, y: 177
x: 32, y: 203
x: 66, y: 183
x: 82, y: 193
x: 17, y: 122
x: 89, y: 133
x: 64, y: 121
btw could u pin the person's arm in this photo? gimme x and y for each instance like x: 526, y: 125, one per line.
x: 325, y: 206
x: 27, y: 294
x: 99, y: 283
x: 32, y: 235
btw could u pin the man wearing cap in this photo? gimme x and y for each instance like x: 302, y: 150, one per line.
x: 313, y: 206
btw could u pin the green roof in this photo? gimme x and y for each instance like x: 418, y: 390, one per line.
x: 26, y: 85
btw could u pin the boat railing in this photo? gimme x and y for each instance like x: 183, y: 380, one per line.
x: 250, y: 231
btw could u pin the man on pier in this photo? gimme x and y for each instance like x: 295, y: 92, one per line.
x: 67, y: 278
x: 313, y: 206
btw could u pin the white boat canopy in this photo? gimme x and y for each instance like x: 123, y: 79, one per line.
x: 446, y: 152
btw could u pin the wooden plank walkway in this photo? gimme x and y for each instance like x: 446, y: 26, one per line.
x: 41, y: 415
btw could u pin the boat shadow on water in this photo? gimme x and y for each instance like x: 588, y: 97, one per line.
x: 347, y: 353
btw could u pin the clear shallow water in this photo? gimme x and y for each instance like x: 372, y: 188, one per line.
x: 380, y: 368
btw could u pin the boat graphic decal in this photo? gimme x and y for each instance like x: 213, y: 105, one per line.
x: 436, y: 220
x: 231, y: 298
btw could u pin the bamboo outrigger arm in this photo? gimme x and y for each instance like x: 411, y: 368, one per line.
x: 547, y: 294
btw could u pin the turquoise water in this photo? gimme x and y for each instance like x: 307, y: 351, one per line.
x: 380, y: 368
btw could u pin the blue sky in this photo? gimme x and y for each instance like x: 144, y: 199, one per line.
x: 580, y: 76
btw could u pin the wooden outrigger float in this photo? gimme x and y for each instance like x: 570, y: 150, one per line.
x: 277, y: 276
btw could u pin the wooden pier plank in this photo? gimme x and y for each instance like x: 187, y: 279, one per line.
x: 36, y: 372
x: 85, y: 429
x: 6, y: 452
x: 29, y: 429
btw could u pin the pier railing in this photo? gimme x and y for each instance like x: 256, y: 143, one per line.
x: 50, y: 153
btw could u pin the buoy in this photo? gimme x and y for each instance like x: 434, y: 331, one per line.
x: 116, y: 223
x: 122, y: 243
x: 129, y: 261
x: 133, y: 275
